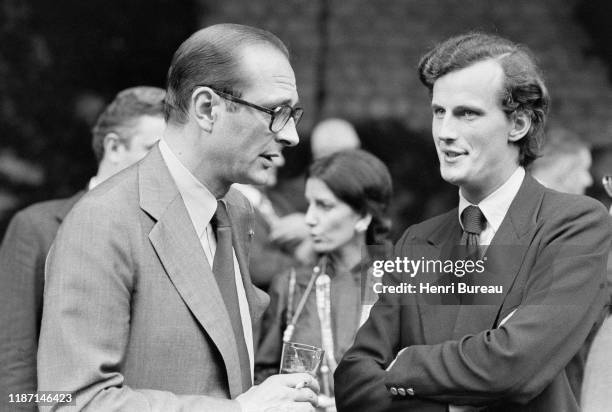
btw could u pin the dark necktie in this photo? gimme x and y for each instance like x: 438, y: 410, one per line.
x: 474, y: 222
x: 223, y: 268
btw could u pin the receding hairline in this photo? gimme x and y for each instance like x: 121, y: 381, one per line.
x: 220, y: 34
x: 214, y: 52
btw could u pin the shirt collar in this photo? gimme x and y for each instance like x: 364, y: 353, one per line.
x: 495, y: 206
x: 199, y: 201
x: 93, y: 182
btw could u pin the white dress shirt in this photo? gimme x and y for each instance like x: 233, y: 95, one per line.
x: 201, y: 206
x: 495, y: 206
x: 93, y: 182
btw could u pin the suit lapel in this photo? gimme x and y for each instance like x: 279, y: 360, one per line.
x: 258, y: 300
x: 178, y: 247
x: 438, y: 311
x: 504, y: 258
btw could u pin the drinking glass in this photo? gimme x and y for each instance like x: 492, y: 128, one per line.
x: 607, y: 184
x: 298, y: 357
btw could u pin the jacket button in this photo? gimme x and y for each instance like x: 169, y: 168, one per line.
x: 410, y: 391
x: 393, y: 391
x: 401, y: 391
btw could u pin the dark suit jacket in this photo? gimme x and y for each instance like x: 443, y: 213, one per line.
x: 549, y: 255
x: 133, y: 318
x: 22, y: 263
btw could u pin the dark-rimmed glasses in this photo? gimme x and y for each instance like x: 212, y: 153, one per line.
x: 279, y: 116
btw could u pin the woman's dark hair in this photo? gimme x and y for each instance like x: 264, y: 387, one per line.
x: 362, y: 181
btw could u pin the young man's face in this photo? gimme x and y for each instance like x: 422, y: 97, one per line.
x: 470, y: 130
x: 245, y: 148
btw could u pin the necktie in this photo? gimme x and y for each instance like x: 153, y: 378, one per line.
x: 223, y: 268
x: 474, y: 222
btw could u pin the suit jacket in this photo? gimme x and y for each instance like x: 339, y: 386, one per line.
x: 22, y: 262
x: 133, y: 318
x: 501, y: 352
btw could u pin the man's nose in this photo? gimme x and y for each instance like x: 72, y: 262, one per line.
x: 288, y: 135
x: 446, y: 128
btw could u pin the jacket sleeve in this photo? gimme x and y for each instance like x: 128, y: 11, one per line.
x: 86, y: 319
x: 564, y: 296
x: 359, y: 380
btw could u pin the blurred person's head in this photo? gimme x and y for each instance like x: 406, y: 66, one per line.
x: 231, y: 104
x: 348, y: 196
x: 564, y: 163
x: 331, y: 136
x: 128, y: 128
x: 489, y: 106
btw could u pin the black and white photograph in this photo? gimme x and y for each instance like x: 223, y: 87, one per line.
x: 306, y: 206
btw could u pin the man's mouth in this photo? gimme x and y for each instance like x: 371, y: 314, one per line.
x: 269, y: 157
x: 452, y: 155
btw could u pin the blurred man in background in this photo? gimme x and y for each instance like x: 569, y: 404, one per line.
x: 564, y: 164
x: 596, y: 395
x: 333, y: 135
x: 125, y: 131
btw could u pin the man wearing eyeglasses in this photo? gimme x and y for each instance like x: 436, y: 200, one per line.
x: 149, y: 303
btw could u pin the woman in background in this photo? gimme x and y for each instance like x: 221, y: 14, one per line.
x: 348, y: 195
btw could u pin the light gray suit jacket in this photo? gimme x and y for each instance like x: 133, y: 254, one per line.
x: 133, y: 319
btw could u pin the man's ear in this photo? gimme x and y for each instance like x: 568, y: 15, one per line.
x: 113, y: 147
x: 521, y: 122
x: 203, y: 102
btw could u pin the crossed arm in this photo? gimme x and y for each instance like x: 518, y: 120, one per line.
x: 563, y: 297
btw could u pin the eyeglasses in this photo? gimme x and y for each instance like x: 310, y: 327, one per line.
x: 280, y: 115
